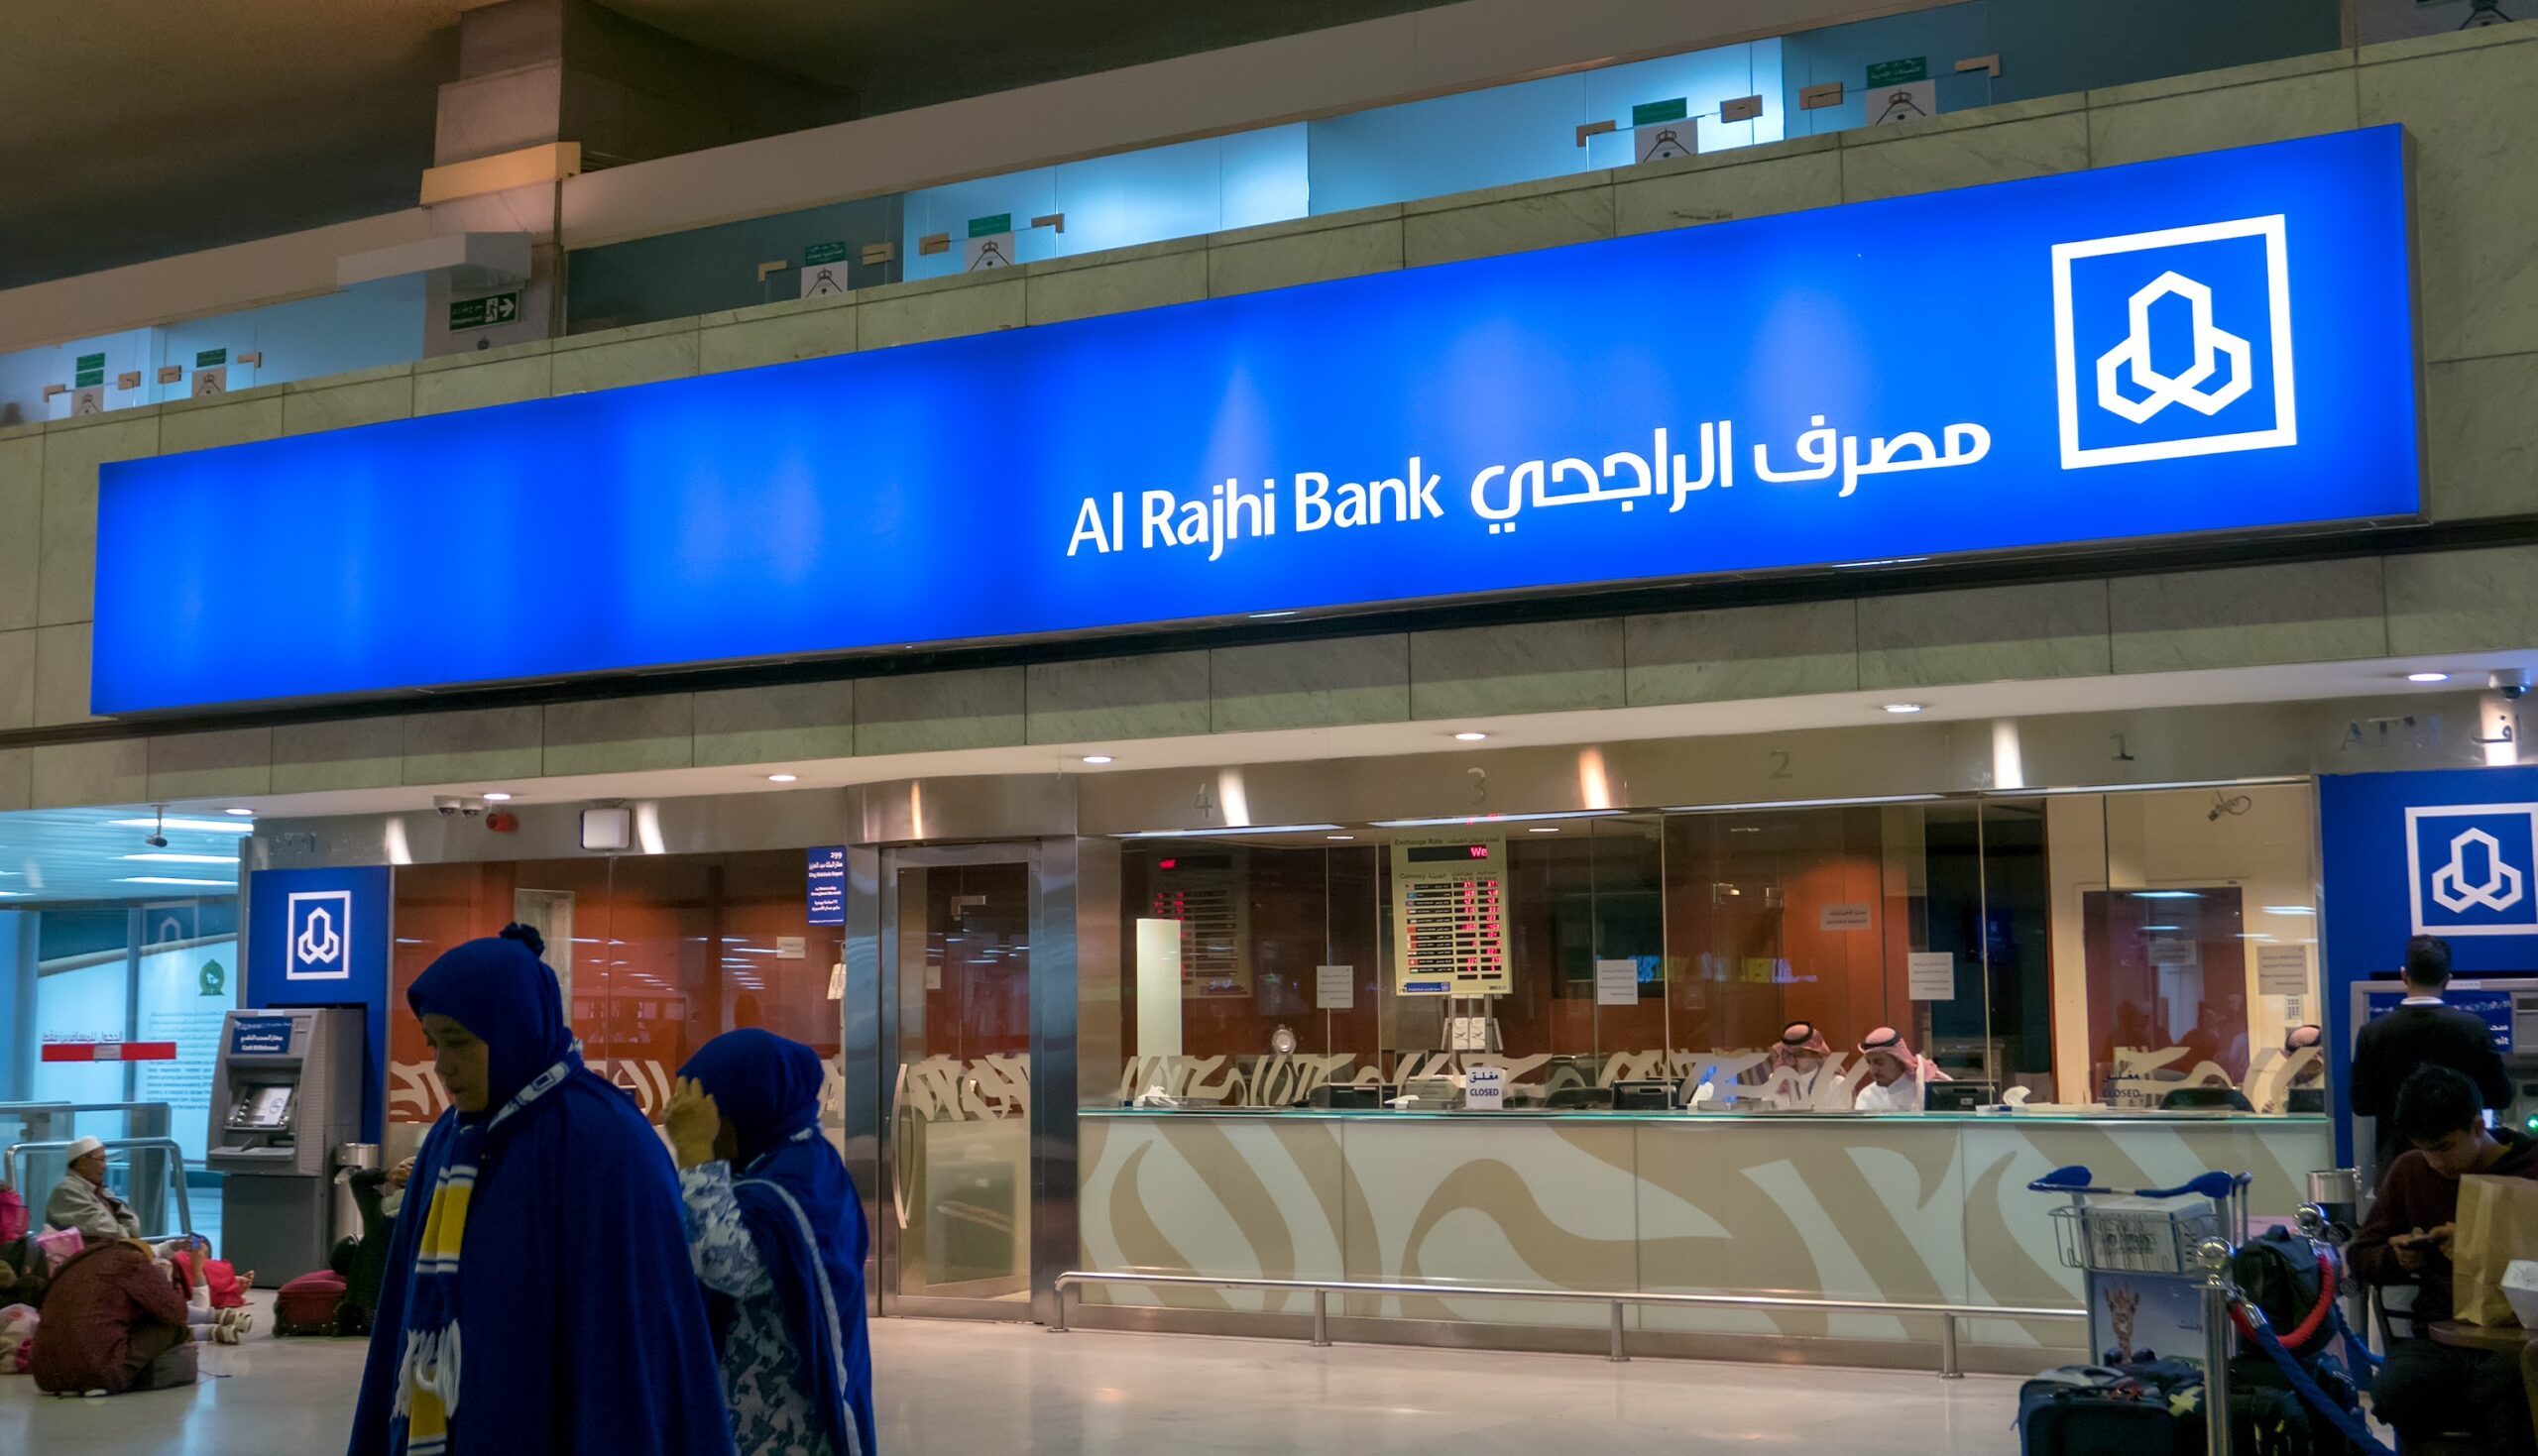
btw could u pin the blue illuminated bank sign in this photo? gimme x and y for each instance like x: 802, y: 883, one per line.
x: 2212, y: 343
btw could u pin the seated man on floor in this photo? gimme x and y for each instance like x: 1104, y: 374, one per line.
x: 2428, y: 1390
x: 80, y: 1199
x: 113, y: 1321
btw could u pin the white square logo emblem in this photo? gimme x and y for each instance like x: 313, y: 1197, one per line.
x: 2472, y: 869
x: 2174, y: 343
x: 319, y: 936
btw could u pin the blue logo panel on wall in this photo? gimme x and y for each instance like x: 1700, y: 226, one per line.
x: 2452, y: 852
x: 320, y: 938
x: 2219, y: 343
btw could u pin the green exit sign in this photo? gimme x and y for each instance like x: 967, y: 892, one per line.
x: 211, y: 357
x: 477, y: 313
x: 1657, y: 113
x: 1899, y: 72
x: 88, y: 362
x: 988, y: 227
x: 820, y: 253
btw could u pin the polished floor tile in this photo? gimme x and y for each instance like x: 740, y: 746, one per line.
x: 950, y: 1389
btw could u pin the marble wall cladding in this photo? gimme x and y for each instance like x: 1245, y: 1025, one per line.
x: 1151, y: 276
x: 341, y: 402
x: 912, y: 314
x: 473, y: 745
x: 73, y: 775
x: 1930, y: 156
x: 776, y: 725
x: 1282, y: 255
x: 211, y: 765
x: 620, y: 735
x: 67, y: 533
x: 18, y: 679
x: 348, y: 753
x: 479, y: 380
x: 1533, y: 667
x: 1105, y: 697
x: 1785, y: 176
x: 1516, y: 220
x: 17, y: 779
x: 2480, y: 437
x: 2319, y: 97
x: 2304, y: 611
x: 2043, y: 630
x: 2463, y: 601
x: 188, y: 424
x: 641, y: 354
x: 21, y: 533
x: 977, y: 708
x: 61, y: 675
x: 1730, y: 652
x: 2471, y: 115
x: 1311, y: 684
x: 811, y: 328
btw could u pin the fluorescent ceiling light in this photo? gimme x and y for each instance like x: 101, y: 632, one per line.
x: 1543, y: 829
x: 2287, y: 910
x: 1903, y: 707
x: 1097, y: 759
x: 1803, y: 803
x: 1483, y: 821
x: 2165, y: 894
x: 1210, y: 833
x: 2427, y: 677
x: 1271, y: 615
x: 1469, y: 737
x: 163, y: 857
x: 197, y: 825
x: 1340, y: 837
x: 242, y: 812
x: 783, y: 778
x: 161, y: 879
x: 498, y: 796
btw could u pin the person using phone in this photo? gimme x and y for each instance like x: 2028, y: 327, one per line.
x: 2427, y: 1389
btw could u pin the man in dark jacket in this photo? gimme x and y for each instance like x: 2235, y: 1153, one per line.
x: 2427, y: 1388
x: 2421, y: 1031
x: 110, y: 1316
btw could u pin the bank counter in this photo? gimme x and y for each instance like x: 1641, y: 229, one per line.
x: 1904, y: 1207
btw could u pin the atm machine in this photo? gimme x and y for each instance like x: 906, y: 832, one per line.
x: 286, y: 1093
x: 2509, y: 1007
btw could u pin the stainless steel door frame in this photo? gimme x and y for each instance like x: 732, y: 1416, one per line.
x: 1049, y: 868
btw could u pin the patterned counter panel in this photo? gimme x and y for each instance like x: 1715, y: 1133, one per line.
x: 1891, y: 1209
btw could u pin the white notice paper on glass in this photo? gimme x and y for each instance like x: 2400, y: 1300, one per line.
x: 791, y: 947
x: 1931, y: 976
x: 1850, y: 917
x: 1334, y: 988
x: 1485, y: 1089
x: 1616, y: 982
x: 2282, y: 970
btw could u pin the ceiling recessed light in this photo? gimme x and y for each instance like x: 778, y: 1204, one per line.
x: 498, y: 796
x: 1340, y: 837
x: 2427, y: 677
x: 242, y: 812
x: 1469, y: 737
x: 1543, y: 829
x: 1902, y: 707
x: 782, y: 778
x: 1097, y: 759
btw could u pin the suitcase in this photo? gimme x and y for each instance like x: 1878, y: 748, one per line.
x: 2097, y: 1411
x: 306, y: 1305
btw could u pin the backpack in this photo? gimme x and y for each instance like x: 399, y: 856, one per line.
x: 2280, y: 1273
x: 2152, y: 1410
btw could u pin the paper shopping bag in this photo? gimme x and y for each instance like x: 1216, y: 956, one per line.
x: 2497, y: 1223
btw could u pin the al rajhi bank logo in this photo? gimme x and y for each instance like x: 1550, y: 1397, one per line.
x: 2167, y: 345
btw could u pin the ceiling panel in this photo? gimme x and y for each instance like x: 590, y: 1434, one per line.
x: 58, y: 855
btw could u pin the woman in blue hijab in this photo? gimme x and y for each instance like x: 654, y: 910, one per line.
x: 778, y: 1244
x: 530, y: 1302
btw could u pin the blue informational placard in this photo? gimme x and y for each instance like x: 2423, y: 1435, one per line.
x: 825, y: 885
x: 260, y: 1035
x: 2211, y: 343
x: 2491, y: 1007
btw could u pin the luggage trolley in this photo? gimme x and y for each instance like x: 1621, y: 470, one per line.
x: 2165, y: 1248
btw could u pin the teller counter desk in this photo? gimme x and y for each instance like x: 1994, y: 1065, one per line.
x: 1929, y: 1207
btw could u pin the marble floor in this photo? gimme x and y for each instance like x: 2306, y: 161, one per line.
x: 950, y: 1389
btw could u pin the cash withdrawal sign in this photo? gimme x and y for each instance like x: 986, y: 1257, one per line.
x: 2220, y: 343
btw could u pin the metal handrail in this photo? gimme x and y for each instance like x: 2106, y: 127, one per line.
x: 176, y: 1152
x: 1950, y: 1368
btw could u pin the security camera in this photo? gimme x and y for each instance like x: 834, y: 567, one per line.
x: 446, y: 807
x: 2511, y: 682
x: 156, y: 842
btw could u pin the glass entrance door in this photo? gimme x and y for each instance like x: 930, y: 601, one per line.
x: 955, y: 938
